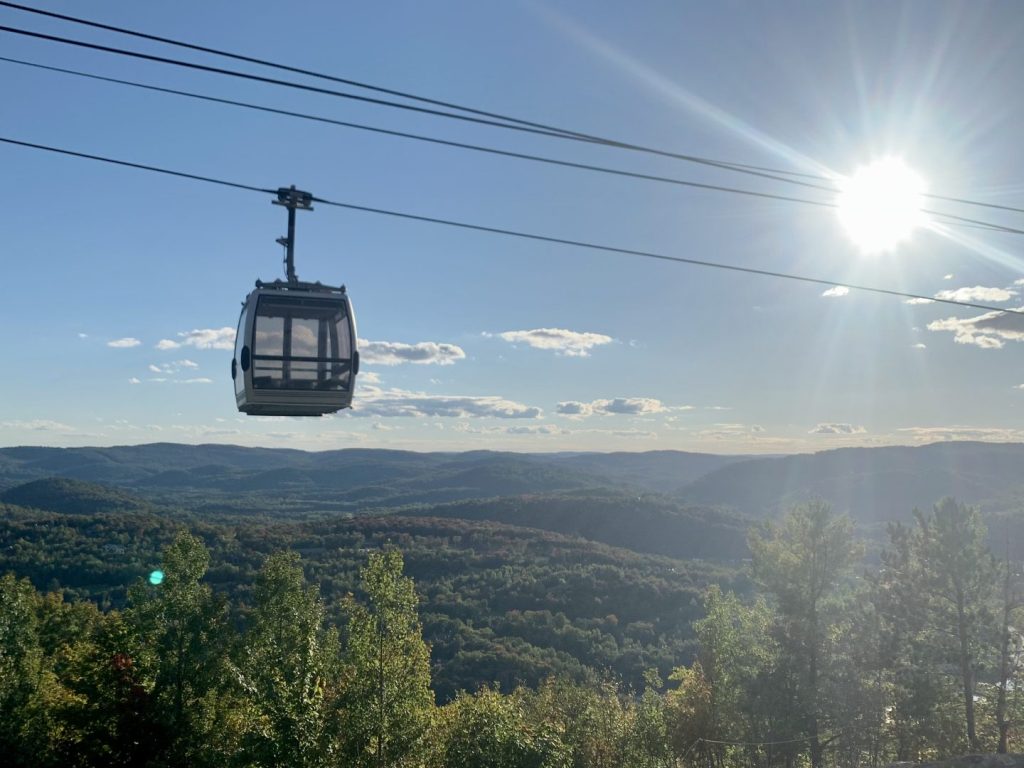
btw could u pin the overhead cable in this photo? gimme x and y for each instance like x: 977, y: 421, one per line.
x: 419, y: 137
x: 521, y: 234
x: 547, y: 129
x: 509, y: 120
x: 479, y: 148
x: 551, y: 133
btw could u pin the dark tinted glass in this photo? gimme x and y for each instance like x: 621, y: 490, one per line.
x: 301, y: 343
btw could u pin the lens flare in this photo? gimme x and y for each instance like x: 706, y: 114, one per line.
x: 880, y: 205
x: 156, y: 578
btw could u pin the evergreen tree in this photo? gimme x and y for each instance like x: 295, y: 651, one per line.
x: 803, y: 565
x: 387, y: 703
x: 938, y: 586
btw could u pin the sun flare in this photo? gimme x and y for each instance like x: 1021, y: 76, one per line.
x: 880, y: 205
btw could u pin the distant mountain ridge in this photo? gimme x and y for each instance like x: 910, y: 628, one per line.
x: 872, y: 485
x: 355, y: 475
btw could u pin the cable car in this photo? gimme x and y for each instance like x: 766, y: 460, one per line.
x: 295, y: 349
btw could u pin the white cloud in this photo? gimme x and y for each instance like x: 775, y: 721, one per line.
x: 399, y: 403
x: 537, y: 429
x: 126, y: 343
x: 369, y: 377
x: 988, y: 331
x: 200, y: 380
x: 984, y: 434
x: 836, y: 290
x: 640, y: 434
x: 948, y: 277
x: 919, y: 301
x: 631, y: 406
x: 396, y: 353
x: 38, y: 425
x: 559, y: 340
x: 731, y: 431
x: 201, y: 338
x: 175, y: 367
x: 837, y: 429
x: 574, y: 408
x: 919, y: 345
x: 83, y: 335
x: 977, y: 293
x: 134, y: 380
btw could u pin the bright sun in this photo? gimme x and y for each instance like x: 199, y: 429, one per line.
x: 880, y: 204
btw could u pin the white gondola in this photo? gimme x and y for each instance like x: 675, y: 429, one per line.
x: 295, y: 349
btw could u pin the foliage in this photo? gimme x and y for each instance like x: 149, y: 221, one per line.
x: 387, y: 703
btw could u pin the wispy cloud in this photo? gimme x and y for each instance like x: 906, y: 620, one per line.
x: 201, y: 338
x: 837, y: 429
x: 983, y: 434
x: 126, y: 343
x: 396, y: 353
x: 399, y: 403
x: 919, y: 345
x: 630, y: 406
x: 731, y: 431
x: 559, y: 340
x: 537, y: 430
x: 174, y: 367
x: 38, y: 425
x: 977, y: 293
x: 988, y: 331
x: 919, y: 301
x: 836, y: 290
x: 134, y: 380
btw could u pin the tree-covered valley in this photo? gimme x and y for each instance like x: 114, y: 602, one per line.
x: 544, y: 610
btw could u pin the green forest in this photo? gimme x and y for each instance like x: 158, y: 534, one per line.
x: 814, y: 656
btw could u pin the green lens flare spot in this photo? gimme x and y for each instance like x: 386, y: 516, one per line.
x: 156, y: 577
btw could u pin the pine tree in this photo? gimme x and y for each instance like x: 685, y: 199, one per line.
x: 803, y: 565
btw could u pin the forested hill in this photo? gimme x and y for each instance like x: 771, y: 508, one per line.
x: 360, y: 475
x: 872, y: 485
x: 651, y: 524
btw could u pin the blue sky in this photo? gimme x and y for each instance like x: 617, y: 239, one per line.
x: 118, y: 283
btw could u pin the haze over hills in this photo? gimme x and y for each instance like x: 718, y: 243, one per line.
x: 871, y: 484
x: 528, y: 564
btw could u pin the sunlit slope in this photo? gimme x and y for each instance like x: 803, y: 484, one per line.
x: 353, y: 478
x: 871, y: 484
x: 499, y: 602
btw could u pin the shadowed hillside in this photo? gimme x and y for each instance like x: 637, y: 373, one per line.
x: 873, y: 485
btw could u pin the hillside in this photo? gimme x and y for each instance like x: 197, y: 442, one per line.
x: 872, y: 485
x: 648, y: 523
x: 499, y: 603
x: 59, y: 494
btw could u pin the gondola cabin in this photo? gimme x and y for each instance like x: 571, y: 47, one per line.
x: 295, y: 350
